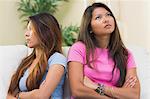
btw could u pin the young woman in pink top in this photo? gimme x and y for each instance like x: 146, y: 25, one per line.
x: 100, y: 66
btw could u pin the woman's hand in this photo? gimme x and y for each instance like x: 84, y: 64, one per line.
x: 130, y: 82
x: 41, y: 85
x: 89, y: 83
x: 33, y: 94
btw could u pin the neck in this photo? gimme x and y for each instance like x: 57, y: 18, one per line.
x: 103, y: 41
x: 38, y: 52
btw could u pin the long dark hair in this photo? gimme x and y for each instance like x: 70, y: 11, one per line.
x: 117, y: 50
x: 49, y: 35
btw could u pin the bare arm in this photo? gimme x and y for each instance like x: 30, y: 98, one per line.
x: 76, y: 79
x: 129, y: 92
x: 53, y: 78
x: 9, y: 96
x: 130, y: 89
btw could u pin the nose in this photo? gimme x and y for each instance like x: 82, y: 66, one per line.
x: 27, y: 33
x: 105, y: 19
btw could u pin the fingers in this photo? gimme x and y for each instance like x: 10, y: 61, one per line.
x: 89, y: 83
x: 127, y: 83
x: 42, y: 83
x: 130, y: 82
x: 87, y: 79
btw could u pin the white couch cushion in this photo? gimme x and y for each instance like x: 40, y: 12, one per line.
x: 10, y: 58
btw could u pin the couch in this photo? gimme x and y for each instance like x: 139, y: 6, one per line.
x: 11, y: 56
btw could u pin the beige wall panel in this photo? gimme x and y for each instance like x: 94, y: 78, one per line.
x: 11, y: 29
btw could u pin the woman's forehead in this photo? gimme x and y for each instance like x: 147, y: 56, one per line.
x: 99, y: 10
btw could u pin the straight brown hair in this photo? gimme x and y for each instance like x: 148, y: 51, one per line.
x: 117, y: 50
x: 49, y: 35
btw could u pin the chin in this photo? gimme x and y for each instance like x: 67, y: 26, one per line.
x: 30, y: 46
x: 109, y: 31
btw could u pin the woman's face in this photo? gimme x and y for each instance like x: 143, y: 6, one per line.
x: 102, y: 22
x: 30, y: 36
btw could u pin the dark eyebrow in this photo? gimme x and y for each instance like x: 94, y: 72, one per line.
x: 98, y: 14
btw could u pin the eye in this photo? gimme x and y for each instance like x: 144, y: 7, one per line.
x: 98, y: 17
x: 108, y: 14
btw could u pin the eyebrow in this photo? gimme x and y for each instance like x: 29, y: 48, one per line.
x: 102, y: 14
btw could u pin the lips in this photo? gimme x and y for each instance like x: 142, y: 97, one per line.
x: 107, y: 26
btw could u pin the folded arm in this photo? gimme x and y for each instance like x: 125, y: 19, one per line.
x: 9, y: 96
x: 46, y: 89
x: 78, y: 89
x: 130, y: 89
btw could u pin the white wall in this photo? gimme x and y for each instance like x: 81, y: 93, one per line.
x: 70, y: 12
x: 148, y: 26
x: 11, y: 29
x: 134, y: 16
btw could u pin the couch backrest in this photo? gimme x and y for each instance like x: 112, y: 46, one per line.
x: 11, y: 56
x: 142, y: 59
